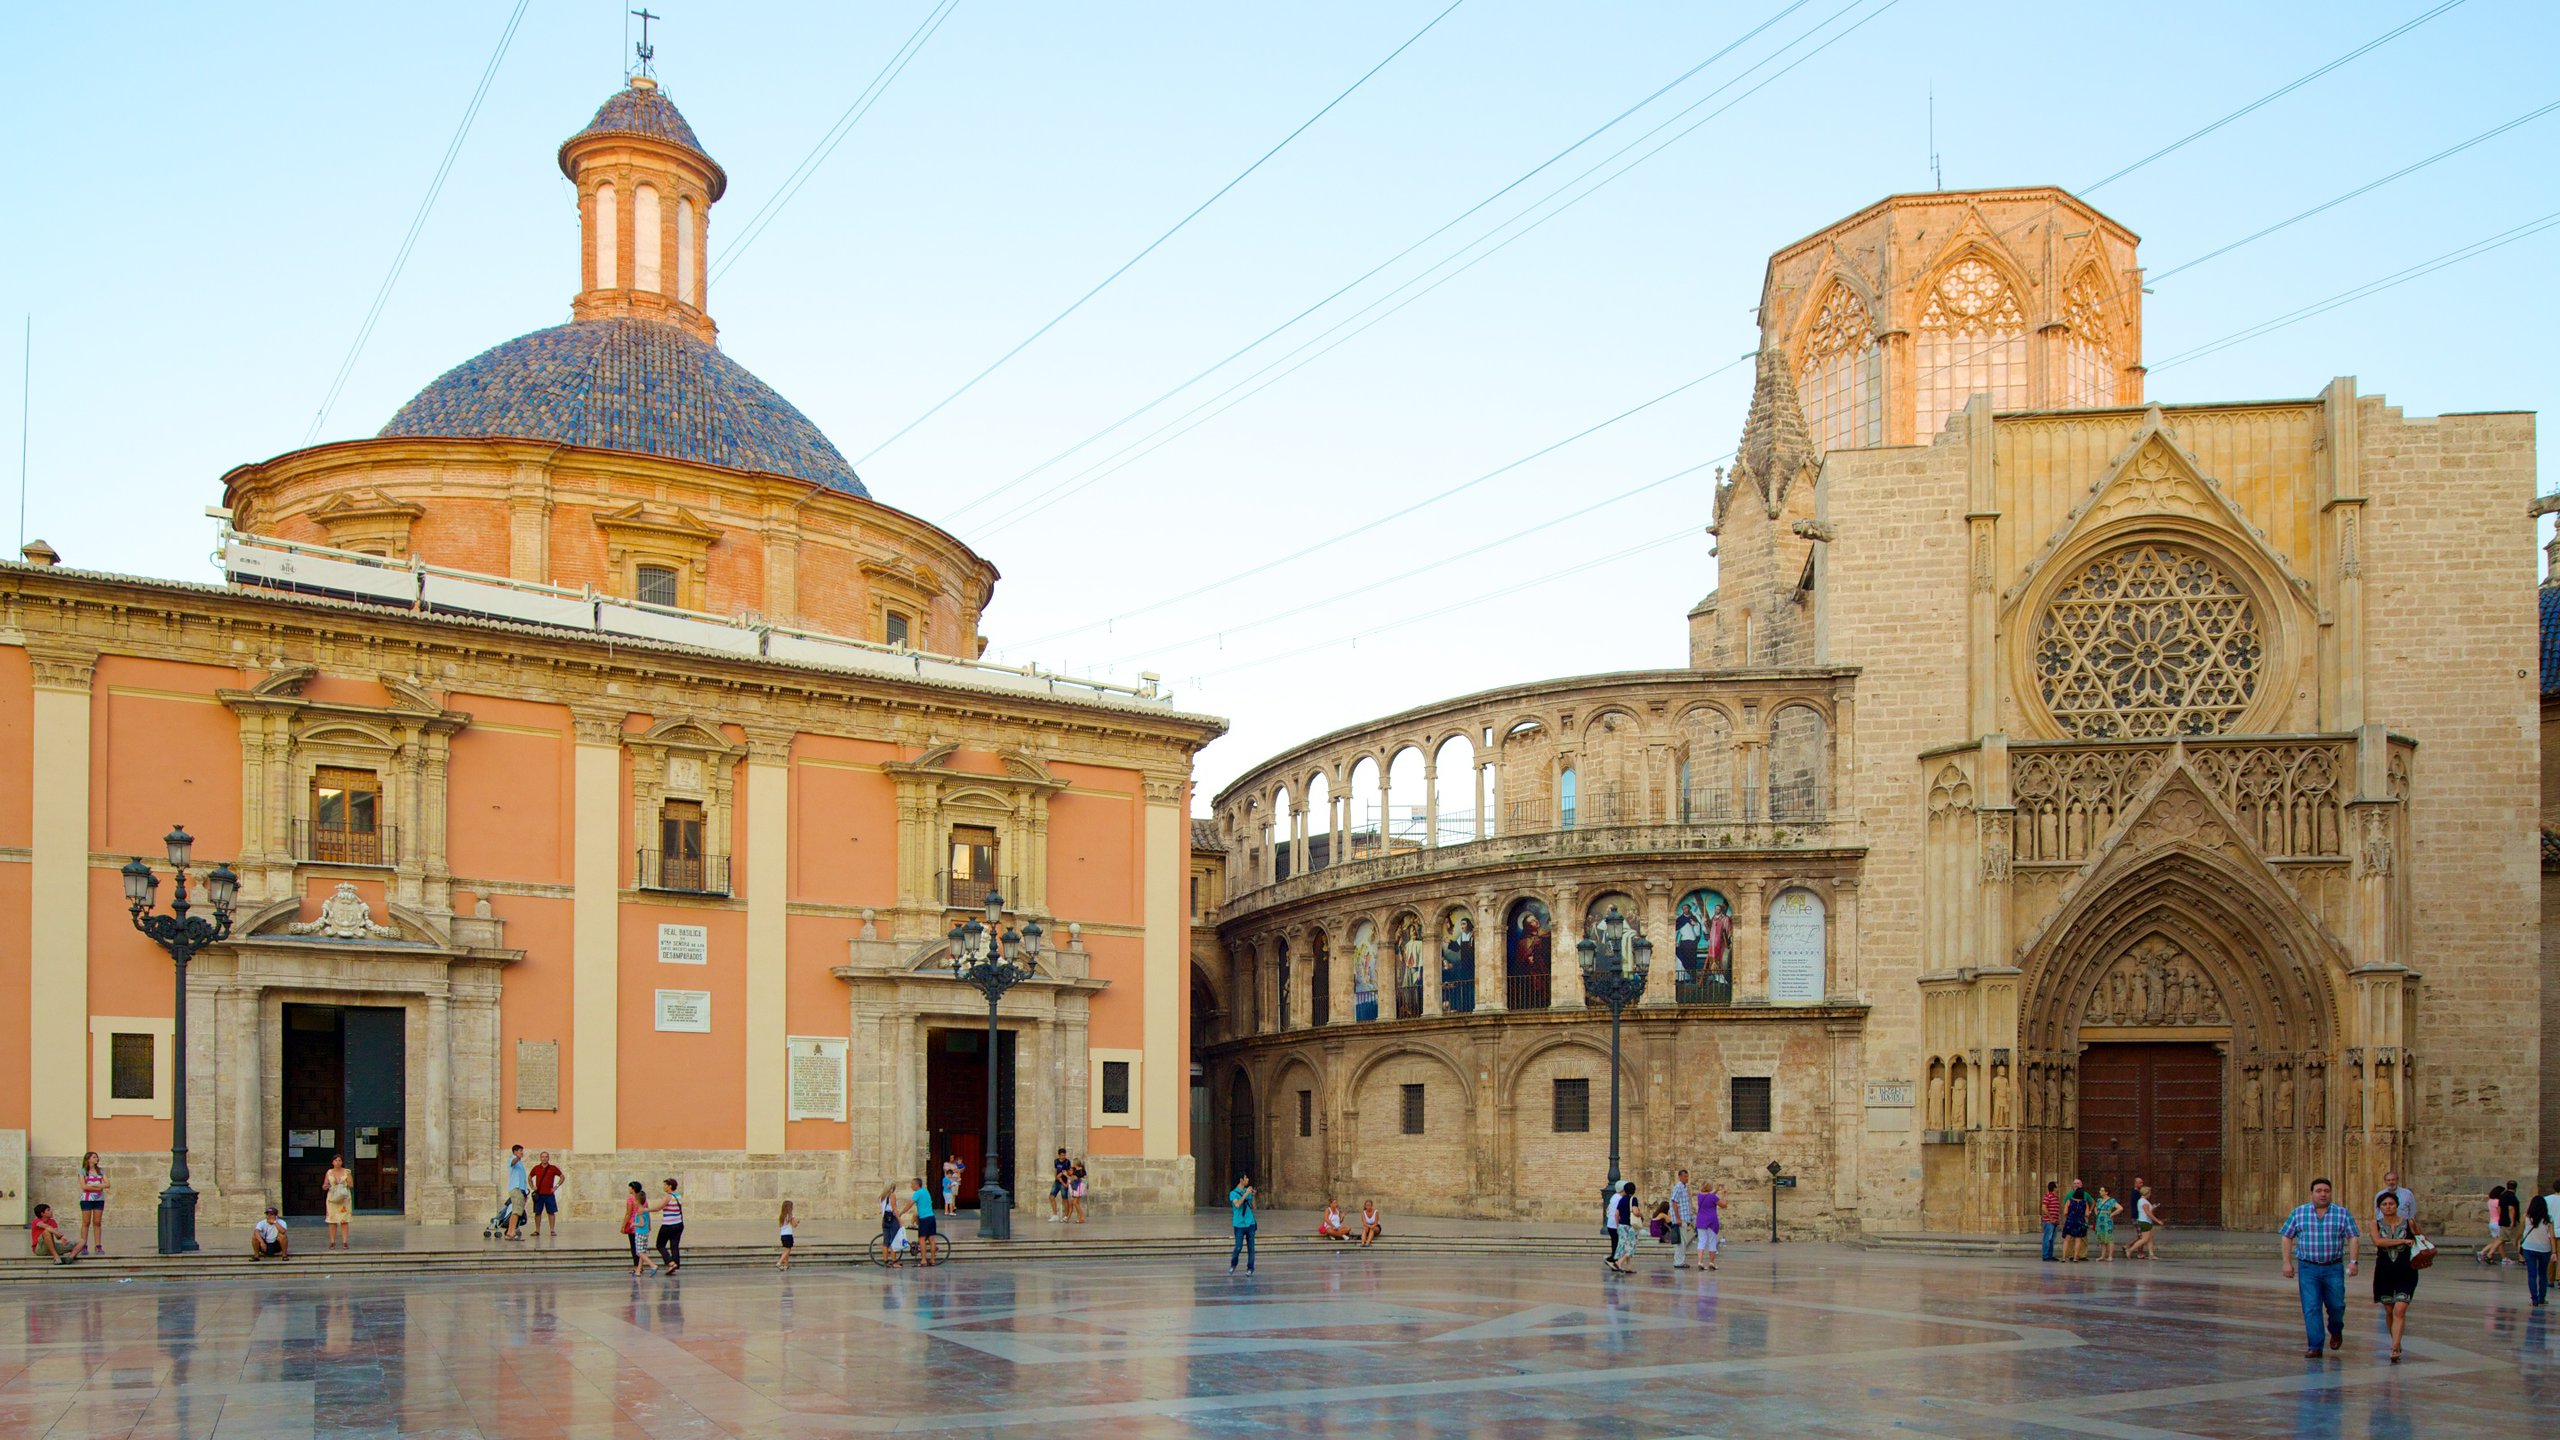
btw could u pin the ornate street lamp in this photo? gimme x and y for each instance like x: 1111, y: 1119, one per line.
x: 993, y: 963
x: 1614, y: 963
x: 182, y: 935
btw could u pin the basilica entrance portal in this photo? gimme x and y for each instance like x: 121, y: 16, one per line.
x: 2154, y: 1111
x: 955, y: 1087
x: 345, y: 1092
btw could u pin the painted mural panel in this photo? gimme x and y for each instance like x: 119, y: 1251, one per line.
x: 1529, y: 956
x: 1405, y: 944
x: 1458, y: 962
x: 1364, y: 971
x: 1702, y: 943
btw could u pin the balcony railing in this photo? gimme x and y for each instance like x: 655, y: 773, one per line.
x: 684, y: 874
x: 969, y: 892
x: 1704, y: 990
x: 1528, y: 992
x: 1409, y: 1001
x: 1458, y: 997
x: 316, y: 844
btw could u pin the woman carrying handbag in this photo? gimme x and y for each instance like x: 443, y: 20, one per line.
x: 2399, y: 1253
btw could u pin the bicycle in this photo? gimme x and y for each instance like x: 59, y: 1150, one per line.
x: 912, y: 1253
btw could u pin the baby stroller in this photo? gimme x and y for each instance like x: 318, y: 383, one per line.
x: 497, y: 1225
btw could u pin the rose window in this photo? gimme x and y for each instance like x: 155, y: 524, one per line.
x: 2148, y: 641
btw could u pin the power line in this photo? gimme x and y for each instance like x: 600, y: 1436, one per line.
x: 2370, y: 288
x: 1392, y: 516
x: 835, y: 134
x: 1356, y: 281
x: 2403, y: 171
x: 1113, y: 463
x: 1540, y: 528
x: 1152, y: 245
x: 1611, y: 558
x: 2276, y: 94
x: 417, y: 223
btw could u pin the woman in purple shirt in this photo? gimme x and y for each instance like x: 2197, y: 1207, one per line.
x: 1710, y: 1229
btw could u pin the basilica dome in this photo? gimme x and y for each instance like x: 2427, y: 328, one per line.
x: 632, y: 384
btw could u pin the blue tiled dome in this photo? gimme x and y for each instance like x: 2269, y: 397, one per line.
x: 639, y: 111
x: 626, y: 384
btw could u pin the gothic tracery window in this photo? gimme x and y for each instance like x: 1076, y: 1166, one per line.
x: 2088, y: 362
x: 1841, y: 381
x: 2149, y: 640
x: 1973, y: 339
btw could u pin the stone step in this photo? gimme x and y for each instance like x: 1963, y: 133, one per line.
x: 736, y: 1257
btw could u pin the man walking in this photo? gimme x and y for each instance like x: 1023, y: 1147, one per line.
x: 546, y: 1179
x: 1684, y: 1221
x: 1240, y: 1214
x: 2319, y: 1242
x: 2052, y: 1214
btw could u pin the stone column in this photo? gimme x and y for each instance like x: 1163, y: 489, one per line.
x: 1493, y: 995
x: 1430, y: 801
x: 1484, y: 797
x: 768, y: 786
x: 595, y: 947
x: 1660, y: 983
x: 1565, y: 961
x: 434, y: 1108
x: 57, y: 915
x: 1843, y: 979
x: 1750, y: 954
x: 231, y: 1024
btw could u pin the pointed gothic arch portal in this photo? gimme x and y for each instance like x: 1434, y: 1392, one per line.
x: 2178, y: 1024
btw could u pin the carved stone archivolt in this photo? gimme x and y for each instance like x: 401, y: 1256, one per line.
x: 2156, y: 983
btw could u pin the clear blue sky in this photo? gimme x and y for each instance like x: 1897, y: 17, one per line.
x: 209, y: 197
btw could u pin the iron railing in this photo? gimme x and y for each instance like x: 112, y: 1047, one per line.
x: 684, y: 874
x: 1528, y: 992
x: 969, y: 892
x: 318, y: 844
x: 1703, y: 989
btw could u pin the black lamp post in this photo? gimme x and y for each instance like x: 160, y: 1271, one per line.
x: 1614, y: 962
x: 182, y: 936
x: 993, y: 964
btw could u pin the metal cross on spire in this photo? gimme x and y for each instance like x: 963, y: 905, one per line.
x: 648, y: 52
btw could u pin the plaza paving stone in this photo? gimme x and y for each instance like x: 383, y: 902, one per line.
x: 1793, y: 1340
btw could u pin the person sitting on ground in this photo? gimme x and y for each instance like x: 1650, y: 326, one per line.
x: 46, y: 1240
x: 267, y: 1238
x: 1330, y: 1227
x: 1368, y: 1223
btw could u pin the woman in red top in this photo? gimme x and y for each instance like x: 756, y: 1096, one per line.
x: 635, y: 1228
x: 93, y: 1205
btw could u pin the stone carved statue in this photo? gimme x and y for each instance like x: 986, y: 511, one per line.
x: 2249, y: 1097
x: 1958, y: 1081
x: 2284, y: 1097
x: 2385, y: 1080
x: 2315, y: 1104
x: 1999, y: 1097
x: 1937, y: 1114
x: 343, y: 916
x: 2070, y: 1107
x: 2154, y: 983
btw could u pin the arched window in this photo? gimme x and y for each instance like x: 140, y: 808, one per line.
x: 2088, y: 362
x: 1973, y: 340
x: 684, y: 253
x: 1795, y: 766
x: 1565, y: 799
x: 646, y: 241
x: 1841, y: 382
x: 1364, y: 970
x: 1528, y: 956
x: 1281, y: 833
x: 1457, y: 961
x: 608, y: 237
x: 1319, y: 980
x: 1406, y: 952
x: 1280, y: 974
x: 1706, y: 767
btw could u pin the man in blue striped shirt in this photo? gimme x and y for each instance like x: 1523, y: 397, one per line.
x: 2319, y: 1241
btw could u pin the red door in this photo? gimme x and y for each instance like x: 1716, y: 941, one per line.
x: 2154, y: 1111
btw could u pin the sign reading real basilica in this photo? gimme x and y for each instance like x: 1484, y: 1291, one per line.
x: 2092, y: 788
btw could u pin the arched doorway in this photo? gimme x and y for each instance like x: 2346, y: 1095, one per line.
x: 2179, y: 1024
x: 1240, y: 1132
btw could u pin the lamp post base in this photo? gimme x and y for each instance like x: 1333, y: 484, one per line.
x: 178, y: 1220
x: 995, y: 1212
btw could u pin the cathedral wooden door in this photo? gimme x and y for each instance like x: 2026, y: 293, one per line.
x: 2154, y: 1111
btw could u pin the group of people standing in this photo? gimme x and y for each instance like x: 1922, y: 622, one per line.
x: 2523, y: 1225
x: 1688, y: 1221
x: 2074, y: 1221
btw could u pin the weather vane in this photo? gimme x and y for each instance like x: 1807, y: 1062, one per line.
x: 648, y: 52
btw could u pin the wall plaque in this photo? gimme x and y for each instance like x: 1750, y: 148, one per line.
x: 816, y: 1086
x: 684, y: 945
x: 1795, y: 948
x: 1890, y: 1092
x: 537, y: 1074
x: 686, y: 1010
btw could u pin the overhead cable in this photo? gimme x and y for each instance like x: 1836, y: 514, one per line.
x: 1356, y: 281
x: 1104, y: 283
x: 834, y: 136
x: 417, y: 223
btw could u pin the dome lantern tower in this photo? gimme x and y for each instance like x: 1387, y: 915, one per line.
x: 645, y: 192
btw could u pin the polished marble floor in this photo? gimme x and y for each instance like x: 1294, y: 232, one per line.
x: 1795, y: 1340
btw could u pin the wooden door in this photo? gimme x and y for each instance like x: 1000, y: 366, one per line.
x: 2154, y: 1111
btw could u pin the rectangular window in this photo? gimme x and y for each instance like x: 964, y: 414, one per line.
x: 655, y: 585
x: 1573, y: 1107
x: 1115, y: 1087
x: 1751, y: 1103
x: 1306, y: 1113
x: 129, y: 1066
x: 346, y: 814
x: 1412, y: 1109
x: 1195, y: 897
x: 893, y: 630
x: 680, y: 845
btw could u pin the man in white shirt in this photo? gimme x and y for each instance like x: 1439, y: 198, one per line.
x: 1684, y: 1221
x: 267, y: 1238
x: 2408, y: 1198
